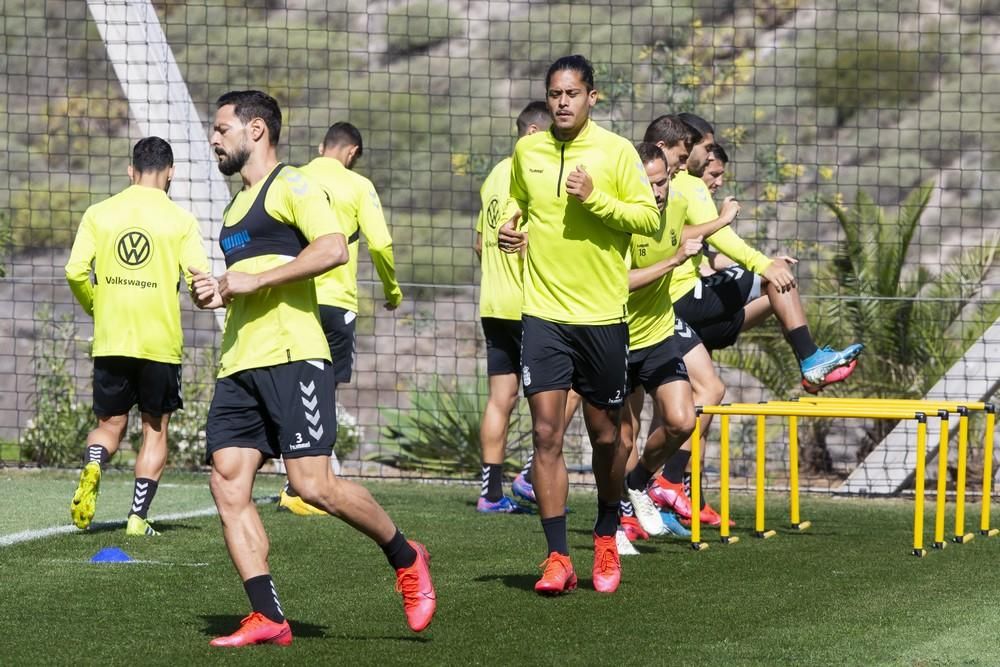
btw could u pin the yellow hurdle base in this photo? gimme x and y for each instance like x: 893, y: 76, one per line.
x: 729, y: 539
x: 992, y: 532
x: 919, y: 553
x: 963, y: 539
x: 699, y: 546
x: 802, y: 525
x: 939, y: 545
x: 765, y: 534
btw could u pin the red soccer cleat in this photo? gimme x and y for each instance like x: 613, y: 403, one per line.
x: 607, y: 565
x: 414, y: 582
x: 838, y: 374
x: 633, y: 530
x: 557, y: 575
x: 257, y: 629
x: 709, y: 517
x: 670, y: 496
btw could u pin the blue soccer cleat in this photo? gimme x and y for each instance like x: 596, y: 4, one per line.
x: 503, y: 506
x: 674, y: 525
x: 816, y: 366
x: 522, y: 489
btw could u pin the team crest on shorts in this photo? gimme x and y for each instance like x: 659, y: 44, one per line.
x: 526, y: 375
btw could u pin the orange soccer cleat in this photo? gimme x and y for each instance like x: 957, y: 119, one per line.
x: 607, y: 565
x: 257, y: 629
x: 557, y: 576
x: 414, y: 582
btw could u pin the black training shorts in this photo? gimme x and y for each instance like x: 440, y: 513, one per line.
x: 503, y: 345
x: 286, y: 410
x: 121, y: 382
x: 714, y: 308
x: 338, y: 325
x: 656, y: 365
x: 590, y: 359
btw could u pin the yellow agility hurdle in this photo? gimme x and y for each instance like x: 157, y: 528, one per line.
x: 963, y: 408
x: 794, y: 409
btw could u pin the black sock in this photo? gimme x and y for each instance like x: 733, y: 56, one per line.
x: 638, y: 479
x: 289, y: 491
x: 801, y: 341
x: 673, y: 471
x: 625, y: 508
x: 607, y: 518
x: 492, y: 482
x: 555, y: 534
x: 701, y: 488
x: 526, y: 470
x: 96, y: 453
x: 263, y: 597
x: 399, y: 552
x: 142, y: 496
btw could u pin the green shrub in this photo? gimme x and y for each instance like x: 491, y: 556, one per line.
x: 440, y: 432
x: 56, y: 435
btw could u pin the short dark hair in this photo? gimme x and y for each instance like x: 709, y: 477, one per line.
x: 536, y: 113
x: 671, y: 130
x: 697, y: 123
x: 344, y: 134
x: 152, y: 154
x: 250, y: 104
x: 649, y: 152
x: 719, y: 153
x: 576, y: 63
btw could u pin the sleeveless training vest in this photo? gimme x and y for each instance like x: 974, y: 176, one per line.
x: 258, y: 233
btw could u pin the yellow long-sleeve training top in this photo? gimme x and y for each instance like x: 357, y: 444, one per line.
x: 574, y: 269
x: 139, y: 243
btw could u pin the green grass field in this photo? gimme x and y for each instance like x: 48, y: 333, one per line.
x: 847, y: 592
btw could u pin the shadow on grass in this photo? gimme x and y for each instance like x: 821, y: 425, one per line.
x: 524, y: 582
x: 116, y: 526
x: 223, y: 624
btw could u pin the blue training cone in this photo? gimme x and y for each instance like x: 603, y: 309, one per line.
x: 111, y: 555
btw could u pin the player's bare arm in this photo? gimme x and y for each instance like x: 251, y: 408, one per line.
x: 324, y: 253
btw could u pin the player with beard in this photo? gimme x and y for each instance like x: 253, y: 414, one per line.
x: 275, y: 391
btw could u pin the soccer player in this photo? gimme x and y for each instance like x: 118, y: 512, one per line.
x: 715, y: 168
x: 659, y: 344
x: 137, y: 243
x: 275, y: 392
x: 582, y: 192
x: 500, y: 313
x: 355, y: 199
x: 722, y: 305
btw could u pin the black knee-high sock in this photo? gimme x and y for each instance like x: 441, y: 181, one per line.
x: 555, y: 534
x: 801, y: 341
x: 638, y: 479
x: 399, y: 552
x: 526, y: 470
x: 492, y: 482
x: 142, y: 496
x: 673, y: 471
x: 701, y: 487
x: 263, y: 597
x: 96, y: 454
x: 607, y: 518
x: 625, y: 508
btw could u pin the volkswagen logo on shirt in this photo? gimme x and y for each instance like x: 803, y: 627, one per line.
x: 493, y: 213
x: 133, y: 248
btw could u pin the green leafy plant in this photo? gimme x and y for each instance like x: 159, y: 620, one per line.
x: 57, y: 433
x: 915, y: 322
x: 439, y: 433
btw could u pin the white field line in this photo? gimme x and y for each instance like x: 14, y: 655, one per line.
x: 42, y: 533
